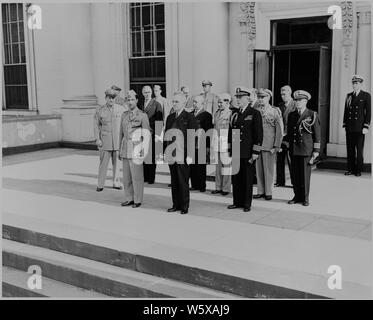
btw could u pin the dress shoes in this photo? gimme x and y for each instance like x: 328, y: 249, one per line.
x: 247, y: 209
x: 224, y: 193
x: 192, y: 189
x: 268, y: 197
x: 232, y: 206
x: 216, y: 191
x: 202, y: 190
x: 169, y: 185
x: 173, y: 209
x: 151, y: 182
x: 358, y: 174
x: 348, y: 173
x: 136, y: 205
x: 257, y: 196
x: 184, y: 211
x: 305, y: 203
x: 99, y: 189
x: 127, y: 203
x: 279, y: 184
x: 293, y: 201
x: 118, y: 187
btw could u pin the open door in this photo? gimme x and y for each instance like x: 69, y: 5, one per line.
x: 262, y: 69
x: 324, y: 97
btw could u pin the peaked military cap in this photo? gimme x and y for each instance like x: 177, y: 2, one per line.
x: 243, y: 91
x: 206, y: 83
x: 264, y: 92
x: 114, y: 87
x: 357, y: 78
x: 110, y: 93
x: 131, y: 93
x: 301, y: 94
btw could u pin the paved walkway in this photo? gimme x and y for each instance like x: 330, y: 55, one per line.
x: 59, y: 185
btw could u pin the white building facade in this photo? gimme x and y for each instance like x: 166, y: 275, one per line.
x: 54, y: 77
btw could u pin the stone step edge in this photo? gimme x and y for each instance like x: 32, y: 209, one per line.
x: 16, y: 286
x: 205, y: 278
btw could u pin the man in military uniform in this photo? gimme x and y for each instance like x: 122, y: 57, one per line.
x: 198, y: 168
x: 272, y: 138
x: 356, y: 121
x: 249, y: 136
x: 134, y: 136
x: 303, y: 135
x: 106, y: 131
x: 210, y: 99
x: 162, y: 101
x: 179, y: 152
x: 286, y: 106
x: 219, y: 146
x: 153, y: 110
x: 188, y: 97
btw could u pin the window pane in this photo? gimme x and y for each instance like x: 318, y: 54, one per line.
x: 15, y: 51
x: 23, y: 53
x: 21, y: 32
x: 16, y: 97
x: 5, y: 33
x: 20, y: 12
x: 160, y: 42
x: 7, y: 53
x: 4, y: 12
x: 146, y: 16
x: 14, y: 32
x: 159, y: 14
x: 13, y: 12
x: 148, y: 43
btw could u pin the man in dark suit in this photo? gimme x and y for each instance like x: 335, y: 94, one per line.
x: 303, y: 135
x: 198, y: 169
x: 286, y: 106
x: 356, y: 121
x: 179, y: 151
x: 246, y: 131
x: 153, y: 110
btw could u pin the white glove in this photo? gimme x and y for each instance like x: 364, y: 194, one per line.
x: 189, y: 160
x: 99, y: 143
x: 365, y: 130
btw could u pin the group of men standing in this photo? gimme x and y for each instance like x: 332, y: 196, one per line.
x: 251, y: 138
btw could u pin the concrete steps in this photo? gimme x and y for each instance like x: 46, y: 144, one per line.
x: 65, y: 275
x: 125, y: 267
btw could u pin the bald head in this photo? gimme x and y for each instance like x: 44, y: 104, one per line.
x: 178, y: 101
x: 198, y: 102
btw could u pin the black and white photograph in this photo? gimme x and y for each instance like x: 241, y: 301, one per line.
x: 208, y: 151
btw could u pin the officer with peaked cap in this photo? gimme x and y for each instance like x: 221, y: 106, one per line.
x: 247, y: 131
x: 210, y: 99
x: 356, y: 121
x: 272, y: 137
x: 106, y: 131
x: 134, y: 136
x: 303, y: 135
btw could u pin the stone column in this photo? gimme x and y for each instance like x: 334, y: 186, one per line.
x: 79, y: 101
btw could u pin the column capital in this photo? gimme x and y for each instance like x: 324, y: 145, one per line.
x: 364, y: 17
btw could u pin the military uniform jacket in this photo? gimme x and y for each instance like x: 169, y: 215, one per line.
x: 357, y: 112
x: 221, y: 125
x: 183, y: 122
x: 210, y: 104
x: 154, y: 112
x: 106, y: 126
x: 272, y: 128
x: 250, y: 134
x: 303, y: 133
x: 132, y: 132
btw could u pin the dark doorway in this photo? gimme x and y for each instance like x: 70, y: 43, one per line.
x: 300, y: 56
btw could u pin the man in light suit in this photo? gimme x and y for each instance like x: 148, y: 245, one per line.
x: 286, y: 106
x: 356, y: 121
x: 153, y: 110
x: 106, y: 131
x: 134, y: 131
